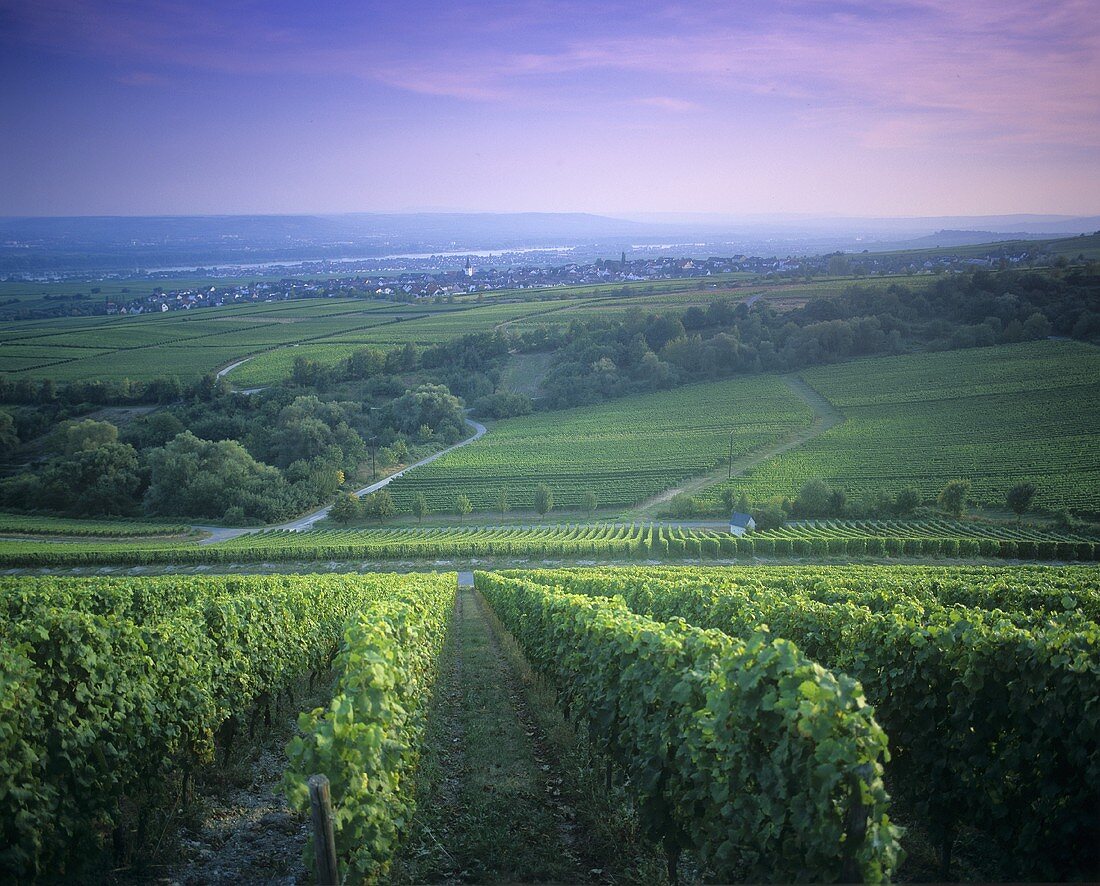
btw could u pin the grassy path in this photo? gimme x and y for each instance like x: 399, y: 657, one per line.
x: 826, y: 416
x: 491, y: 808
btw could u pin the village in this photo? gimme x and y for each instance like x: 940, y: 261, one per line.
x: 442, y: 284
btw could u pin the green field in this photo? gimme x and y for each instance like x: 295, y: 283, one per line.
x: 624, y: 451
x: 422, y: 328
x: 19, y: 524
x: 996, y: 416
x: 189, y: 344
x: 829, y: 702
x: 186, y: 343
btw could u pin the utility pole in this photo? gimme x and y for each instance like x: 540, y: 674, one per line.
x: 373, y: 444
x: 730, y: 474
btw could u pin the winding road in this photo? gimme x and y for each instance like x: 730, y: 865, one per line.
x: 223, y: 533
x: 225, y: 370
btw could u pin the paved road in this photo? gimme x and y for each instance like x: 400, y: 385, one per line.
x: 221, y: 533
x: 222, y: 373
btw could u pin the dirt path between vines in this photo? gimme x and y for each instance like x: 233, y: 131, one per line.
x: 490, y: 808
x: 826, y: 416
x: 240, y: 828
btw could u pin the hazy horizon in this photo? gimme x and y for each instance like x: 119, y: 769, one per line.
x: 906, y: 109
x: 672, y: 216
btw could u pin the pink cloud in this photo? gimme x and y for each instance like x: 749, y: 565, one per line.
x: 667, y: 103
x: 142, y: 78
x: 901, y: 75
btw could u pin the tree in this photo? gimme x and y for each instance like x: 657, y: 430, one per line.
x: 503, y: 404
x: 729, y: 499
x: 154, y: 430
x: 813, y: 499
x: 662, y: 329
x: 380, y: 504
x: 839, y: 265
x: 346, y: 508
x: 91, y: 482
x: 503, y: 505
x: 431, y: 406
x: 199, y: 478
x: 462, y: 505
x: 838, y: 501
x: 682, y: 505
x: 743, y: 504
x: 907, y: 500
x: 364, y: 363
x: 769, y: 516
x: 76, y: 436
x: 9, y: 438
x: 1019, y: 498
x: 589, y: 501
x: 953, y: 497
x: 400, y: 451
x: 419, y: 507
x: 1037, y: 326
x: 544, y: 500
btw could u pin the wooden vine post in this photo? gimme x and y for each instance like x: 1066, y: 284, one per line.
x: 856, y: 826
x: 324, y: 837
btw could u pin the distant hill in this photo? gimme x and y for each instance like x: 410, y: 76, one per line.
x: 120, y: 243
x: 125, y: 244
x: 284, y: 229
x: 947, y: 239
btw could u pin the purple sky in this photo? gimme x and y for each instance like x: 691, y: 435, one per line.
x: 225, y: 106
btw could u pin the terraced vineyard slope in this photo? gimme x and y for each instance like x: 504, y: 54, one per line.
x: 996, y: 416
x: 623, y: 451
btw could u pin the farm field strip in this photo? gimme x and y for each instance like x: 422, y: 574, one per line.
x: 134, y: 347
x: 931, y: 528
x: 190, y: 349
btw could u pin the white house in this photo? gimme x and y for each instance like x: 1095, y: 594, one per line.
x: 741, y: 523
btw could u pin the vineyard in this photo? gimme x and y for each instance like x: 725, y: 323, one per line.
x: 623, y: 451
x: 995, y: 416
x: 19, y: 524
x: 757, y: 724
x: 985, y: 683
x: 115, y: 691
x: 601, y: 541
x: 187, y: 345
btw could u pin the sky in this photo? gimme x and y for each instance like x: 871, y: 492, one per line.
x: 930, y: 107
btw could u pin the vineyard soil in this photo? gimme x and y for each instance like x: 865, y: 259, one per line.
x: 241, y: 828
x: 492, y: 809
